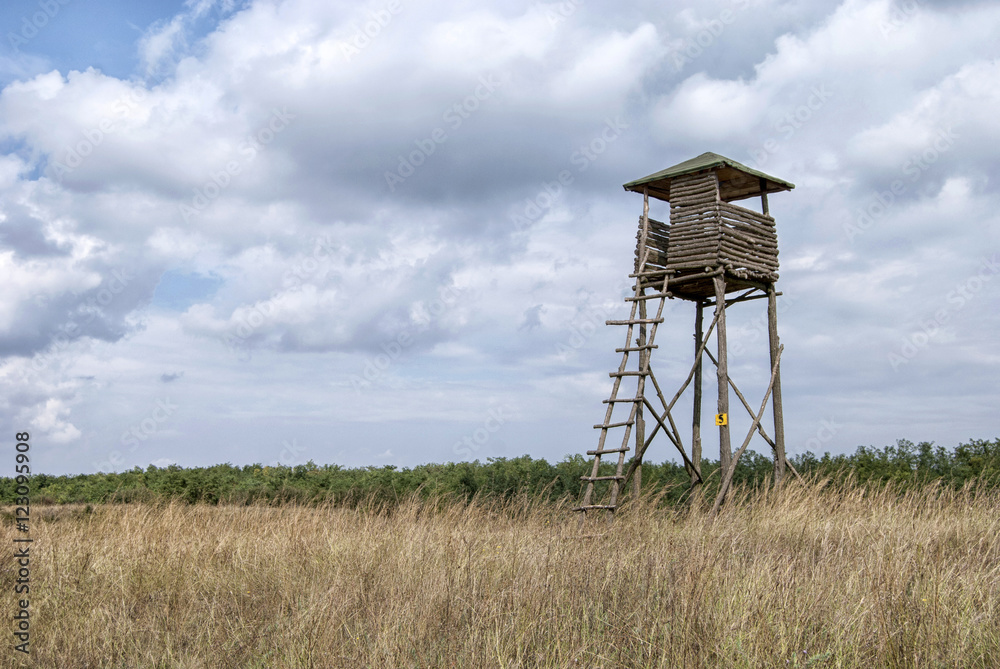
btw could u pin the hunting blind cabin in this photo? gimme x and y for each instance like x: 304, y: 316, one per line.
x: 710, y: 248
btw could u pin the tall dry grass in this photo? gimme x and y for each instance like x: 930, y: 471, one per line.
x: 807, y: 577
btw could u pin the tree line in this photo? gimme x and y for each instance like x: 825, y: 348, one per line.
x: 904, y: 464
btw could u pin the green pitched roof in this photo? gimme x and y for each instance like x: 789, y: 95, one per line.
x: 736, y: 180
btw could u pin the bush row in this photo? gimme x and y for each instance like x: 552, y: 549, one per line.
x: 904, y: 464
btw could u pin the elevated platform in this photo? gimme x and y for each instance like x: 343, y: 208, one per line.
x: 698, y: 286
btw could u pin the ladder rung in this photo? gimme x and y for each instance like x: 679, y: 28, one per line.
x: 654, y: 272
x: 628, y: 399
x: 614, y: 374
x: 648, y: 297
x: 613, y: 450
x: 637, y: 321
x: 609, y: 425
x: 595, y: 506
x: 602, y: 478
x: 636, y: 348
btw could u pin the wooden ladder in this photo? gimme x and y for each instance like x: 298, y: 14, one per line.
x: 643, y: 346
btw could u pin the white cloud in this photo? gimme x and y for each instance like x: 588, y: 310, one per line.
x: 703, y: 109
x: 50, y: 420
x: 162, y: 463
x: 323, y: 267
x: 943, y: 116
x: 160, y: 43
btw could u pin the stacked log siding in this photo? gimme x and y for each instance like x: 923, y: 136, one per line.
x: 657, y: 241
x: 705, y: 232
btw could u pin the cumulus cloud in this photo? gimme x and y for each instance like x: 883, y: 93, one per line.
x: 429, y: 201
x: 50, y: 420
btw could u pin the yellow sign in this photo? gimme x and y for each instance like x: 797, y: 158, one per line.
x: 722, y: 419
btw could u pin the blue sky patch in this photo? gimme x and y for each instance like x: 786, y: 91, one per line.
x: 178, y: 290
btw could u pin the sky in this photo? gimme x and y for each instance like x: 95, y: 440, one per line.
x: 276, y: 231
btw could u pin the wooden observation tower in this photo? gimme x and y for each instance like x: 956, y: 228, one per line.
x: 711, y: 248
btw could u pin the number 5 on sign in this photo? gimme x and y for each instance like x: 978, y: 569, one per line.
x: 722, y: 419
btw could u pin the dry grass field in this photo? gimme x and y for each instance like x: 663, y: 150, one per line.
x: 809, y: 577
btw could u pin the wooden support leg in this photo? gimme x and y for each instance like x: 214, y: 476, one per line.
x: 696, y: 413
x: 725, y: 447
x: 779, y: 419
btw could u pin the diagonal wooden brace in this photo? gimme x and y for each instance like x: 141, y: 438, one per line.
x: 680, y: 448
x: 670, y: 405
x: 760, y: 428
x: 727, y: 478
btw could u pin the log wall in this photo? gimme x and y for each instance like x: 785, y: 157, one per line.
x: 694, y: 222
x: 749, y: 242
x: 656, y: 241
x: 706, y: 232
